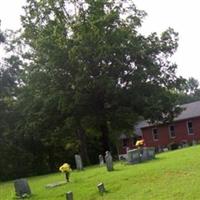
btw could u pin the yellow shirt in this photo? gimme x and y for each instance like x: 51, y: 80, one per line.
x: 65, y: 168
x: 139, y: 143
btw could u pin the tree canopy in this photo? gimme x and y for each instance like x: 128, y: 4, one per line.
x: 87, y: 75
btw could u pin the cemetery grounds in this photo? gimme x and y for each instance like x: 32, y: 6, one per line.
x: 172, y: 175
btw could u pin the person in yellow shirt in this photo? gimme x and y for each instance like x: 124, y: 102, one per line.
x: 65, y: 168
x: 139, y: 143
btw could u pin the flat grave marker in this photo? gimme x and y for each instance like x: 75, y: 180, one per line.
x: 56, y: 184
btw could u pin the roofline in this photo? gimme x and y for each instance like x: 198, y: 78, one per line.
x: 169, y: 122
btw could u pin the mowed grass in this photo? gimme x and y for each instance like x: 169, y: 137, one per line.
x: 172, y: 175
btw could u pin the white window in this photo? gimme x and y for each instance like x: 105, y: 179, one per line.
x: 155, y: 134
x: 190, y: 127
x: 172, y: 133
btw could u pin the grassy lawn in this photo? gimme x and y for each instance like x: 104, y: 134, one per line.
x: 172, y: 175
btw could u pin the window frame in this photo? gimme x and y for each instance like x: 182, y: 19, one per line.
x: 153, y: 134
x: 192, y: 128
x: 170, y: 131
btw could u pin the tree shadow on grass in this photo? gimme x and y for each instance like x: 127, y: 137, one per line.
x: 156, y: 159
x: 116, y: 170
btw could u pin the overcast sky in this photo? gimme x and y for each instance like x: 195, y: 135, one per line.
x: 183, y: 16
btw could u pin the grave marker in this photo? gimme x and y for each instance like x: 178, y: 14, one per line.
x: 134, y: 156
x: 109, y: 162
x: 101, y: 188
x: 22, y: 188
x: 78, y: 160
x: 69, y: 196
x: 148, y: 153
x: 101, y: 160
x: 56, y: 184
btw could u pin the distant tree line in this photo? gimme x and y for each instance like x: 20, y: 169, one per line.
x: 190, y: 91
x: 78, y: 74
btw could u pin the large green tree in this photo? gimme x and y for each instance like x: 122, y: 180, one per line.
x: 12, y: 154
x: 88, y: 60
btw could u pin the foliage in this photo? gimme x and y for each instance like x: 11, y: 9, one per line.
x: 190, y: 91
x: 104, y: 72
x: 2, y: 37
x: 85, y: 74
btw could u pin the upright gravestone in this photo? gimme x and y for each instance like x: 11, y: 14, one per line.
x: 101, y: 188
x: 109, y: 162
x: 22, y: 188
x: 148, y: 153
x: 101, y: 160
x: 78, y: 160
x: 134, y: 156
x: 194, y: 142
x: 69, y: 196
x: 151, y: 152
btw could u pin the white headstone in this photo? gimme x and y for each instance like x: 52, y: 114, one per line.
x: 78, y: 160
x: 133, y: 156
x: 194, y: 142
x: 101, y: 160
x: 109, y: 162
x: 165, y: 149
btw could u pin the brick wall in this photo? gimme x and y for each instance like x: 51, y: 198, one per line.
x: 181, y: 132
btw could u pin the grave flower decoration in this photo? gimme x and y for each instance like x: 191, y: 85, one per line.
x: 65, y: 168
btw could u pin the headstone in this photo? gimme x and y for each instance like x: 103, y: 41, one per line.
x: 185, y: 145
x: 101, y: 187
x: 159, y: 149
x: 101, y: 160
x: 69, y: 196
x: 52, y: 185
x: 79, y: 164
x: 22, y: 188
x: 145, y: 155
x: 165, y: 149
x: 194, y: 142
x: 134, y: 156
x: 109, y: 162
x: 151, y: 152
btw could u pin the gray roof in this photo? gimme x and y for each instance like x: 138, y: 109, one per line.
x: 138, y: 126
x: 191, y: 110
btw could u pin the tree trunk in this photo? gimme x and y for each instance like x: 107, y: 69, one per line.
x: 83, y: 145
x: 105, y: 144
x: 51, y: 160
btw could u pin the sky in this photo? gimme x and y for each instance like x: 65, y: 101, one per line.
x: 183, y: 16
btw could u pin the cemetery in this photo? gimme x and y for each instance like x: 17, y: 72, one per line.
x: 147, y: 180
x: 90, y: 105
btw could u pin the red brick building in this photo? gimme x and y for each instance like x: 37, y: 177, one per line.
x: 184, y: 130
